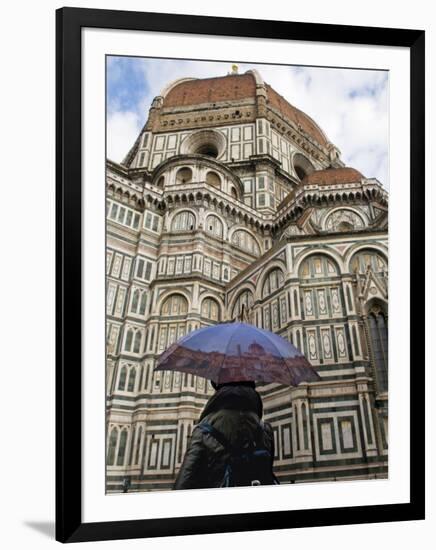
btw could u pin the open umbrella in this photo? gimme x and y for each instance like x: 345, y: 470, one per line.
x: 234, y: 352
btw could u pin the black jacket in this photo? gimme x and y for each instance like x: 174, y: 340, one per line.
x: 236, y: 411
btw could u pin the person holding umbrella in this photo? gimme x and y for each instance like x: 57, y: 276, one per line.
x: 231, y: 445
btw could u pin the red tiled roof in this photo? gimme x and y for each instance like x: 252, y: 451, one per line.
x: 294, y: 114
x: 234, y: 87
x: 331, y: 176
x: 211, y: 90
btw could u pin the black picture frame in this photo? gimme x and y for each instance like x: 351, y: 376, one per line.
x: 69, y: 22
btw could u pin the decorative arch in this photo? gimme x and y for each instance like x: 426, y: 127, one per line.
x: 138, y: 444
x: 245, y: 240
x: 318, y: 265
x: 137, y: 342
x: 184, y: 175
x: 122, y: 447
x: 344, y: 219
x: 122, y: 378
x: 213, y: 179
x: 214, y: 225
x: 184, y: 220
x: 273, y: 280
x: 368, y: 256
x: 331, y: 255
x: 245, y: 297
x: 277, y: 263
x: 162, y: 298
x: 233, y: 192
x: 135, y: 300
x: 377, y: 327
x: 174, y: 305
x: 354, y: 249
x: 112, y: 446
x: 211, y: 309
x: 132, y: 379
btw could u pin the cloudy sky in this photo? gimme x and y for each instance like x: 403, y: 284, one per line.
x: 350, y: 105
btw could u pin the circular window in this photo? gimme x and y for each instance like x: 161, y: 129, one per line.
x: 302, y: 166
x: 204, y: 142
x: 208, y: 149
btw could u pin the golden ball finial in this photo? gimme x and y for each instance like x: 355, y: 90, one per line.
x: 234, y: 69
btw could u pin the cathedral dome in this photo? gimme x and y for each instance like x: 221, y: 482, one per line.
x: 233, y: 87
x: 210, y: 90
x: 300, y: 119
x: 331, y: 176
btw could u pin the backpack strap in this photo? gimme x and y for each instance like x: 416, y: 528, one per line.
x: 207, y: 428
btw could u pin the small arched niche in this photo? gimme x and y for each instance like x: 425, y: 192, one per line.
x: 184, y: 175
x: 212, y: 178
x: 233, y: 192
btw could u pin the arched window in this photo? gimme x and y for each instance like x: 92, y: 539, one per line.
x: 183, y: 221
x: 143, y: 303
x: 214, y: 226
x: 378, y: 331
x: 129, y: 340
x: 320, y: 291
x: 135, y: 300
x: 355, y: 340
x: 344, y: 220
x: 210, y: 309
x: 132, y: 378
x: 138, y: 445
x: 299, y: 346
x: 372, y: 259
x: 296, y: 310
x: 113, y: 438
x: 160, y: 181
x: 122, y: 380
x: 317, y: 266
x: 244, y: 240
x: 176, y: 304
x: 122, y: 448
x: 243, y: 301
x: 305, y: 427
x: 184, y: 175
x: 137, y: 344
x: 212, y: 178
x: 273, y: 281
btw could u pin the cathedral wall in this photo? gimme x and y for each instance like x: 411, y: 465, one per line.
x: 195, y: 238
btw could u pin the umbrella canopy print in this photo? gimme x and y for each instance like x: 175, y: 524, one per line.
x: 235, y: 352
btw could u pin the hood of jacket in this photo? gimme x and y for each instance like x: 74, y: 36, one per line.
x: 234, y: 397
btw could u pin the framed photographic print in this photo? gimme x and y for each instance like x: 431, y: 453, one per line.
x: 240, y: 244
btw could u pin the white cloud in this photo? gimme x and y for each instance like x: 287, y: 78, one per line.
x: 122, y: 130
